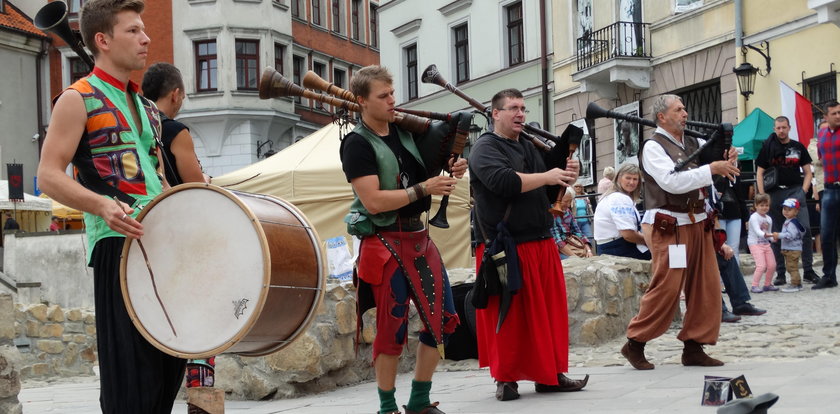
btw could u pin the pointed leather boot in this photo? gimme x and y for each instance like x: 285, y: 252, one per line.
x: 634, y: 351
x: 694, y: 356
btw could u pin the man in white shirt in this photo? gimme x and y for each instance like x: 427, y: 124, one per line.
x: 676, y: 228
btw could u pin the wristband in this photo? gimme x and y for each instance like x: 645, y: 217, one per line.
x: 412, y: 194
x: 420, y: 189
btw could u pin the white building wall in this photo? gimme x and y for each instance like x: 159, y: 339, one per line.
x: 403, y: 23
x: 227, y: 124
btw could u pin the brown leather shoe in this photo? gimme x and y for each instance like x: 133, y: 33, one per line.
x: 430, y: 409
x: 564, y: 384
x: 507, y: 391
x: 694, y: 356
x: 634, y: 351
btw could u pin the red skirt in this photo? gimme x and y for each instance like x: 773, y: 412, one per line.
x: 533, y: 343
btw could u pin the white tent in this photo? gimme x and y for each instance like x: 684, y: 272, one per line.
x: 33, y: 213
x: 308, y: 174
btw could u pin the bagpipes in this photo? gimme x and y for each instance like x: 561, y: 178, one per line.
x: 714, y: 149
x: 560, y: 146
x: 438, y: 142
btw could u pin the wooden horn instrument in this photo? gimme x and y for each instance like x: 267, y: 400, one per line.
x: 311, y: 80
x: 273, y: 85
x: 432, y: 75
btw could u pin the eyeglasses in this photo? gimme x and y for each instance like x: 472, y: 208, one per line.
x: 516, y: 109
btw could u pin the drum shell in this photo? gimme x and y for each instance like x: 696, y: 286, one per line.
x: 291, y: 283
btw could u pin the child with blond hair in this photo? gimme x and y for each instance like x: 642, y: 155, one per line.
x: 758, y: 240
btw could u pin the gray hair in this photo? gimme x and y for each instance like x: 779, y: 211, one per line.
x: 609, y: 172
x: 661, y: 105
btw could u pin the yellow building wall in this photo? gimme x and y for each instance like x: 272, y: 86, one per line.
x: 763, y: 14
x: 809, y: 51
x: 693, y: 29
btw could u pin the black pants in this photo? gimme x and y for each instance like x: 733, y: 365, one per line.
x: 134, y: 376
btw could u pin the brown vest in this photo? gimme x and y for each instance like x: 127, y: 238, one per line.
x: 655, y: 196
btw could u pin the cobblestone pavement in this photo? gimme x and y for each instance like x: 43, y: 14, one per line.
x: 792, y: 350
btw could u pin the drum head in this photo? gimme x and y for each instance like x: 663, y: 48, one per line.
x: 210, y: 267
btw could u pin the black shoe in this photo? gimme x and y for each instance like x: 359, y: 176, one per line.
x: 507, y: 391
x: 748, y: 309
x: 564, y: 384
x: 779, y: 280
x: 811, y: 277
x: 825, y: 283
x: 730, y: 317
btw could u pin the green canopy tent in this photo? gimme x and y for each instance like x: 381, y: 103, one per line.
x: 749, y: 134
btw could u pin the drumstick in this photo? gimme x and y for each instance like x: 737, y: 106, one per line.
x: 152, y: 277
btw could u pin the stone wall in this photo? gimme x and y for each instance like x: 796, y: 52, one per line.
x: 10, y: 360
x: 54, y: 342
x: 603, y: 295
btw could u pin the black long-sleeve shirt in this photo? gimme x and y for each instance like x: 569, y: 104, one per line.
x: 494, y: 162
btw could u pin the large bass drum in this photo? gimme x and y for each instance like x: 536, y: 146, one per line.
x: 220, y: 271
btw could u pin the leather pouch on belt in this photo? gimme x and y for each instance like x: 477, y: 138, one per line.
x: 664, y: 223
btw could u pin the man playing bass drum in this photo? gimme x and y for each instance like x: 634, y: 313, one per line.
x: 397, y: 260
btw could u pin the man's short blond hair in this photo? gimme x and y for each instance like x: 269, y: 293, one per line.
x: 100, y: 16
x: 361, y: 80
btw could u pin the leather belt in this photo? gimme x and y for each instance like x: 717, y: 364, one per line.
x: 405, y: 224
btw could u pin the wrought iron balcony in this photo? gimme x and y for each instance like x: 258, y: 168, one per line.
x: 618, y: 53
x: 618, y: 40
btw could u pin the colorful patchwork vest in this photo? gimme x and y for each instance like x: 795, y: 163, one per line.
x: 112, y: 158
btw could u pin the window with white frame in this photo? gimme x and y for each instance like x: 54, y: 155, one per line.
x: 317, y: 10
x: 319, y: 68
x: 356, y: 20
x: 682, y: 6
x: 206, y: 65
x: 337, y: 13
x: 78, y: 69
x: 279, y: 53
x: 514, y: 36
x: 298, y: 7
x: 460, y: 36
x: 298, y: 68
x: 374, y: 25
x: 247, y: 64
x: 410, y: 54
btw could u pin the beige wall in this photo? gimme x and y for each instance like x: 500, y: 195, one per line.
x: 791, y: 56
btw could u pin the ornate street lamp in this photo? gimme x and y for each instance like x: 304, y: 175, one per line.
x: 746, y: 71
x: 746, y: 78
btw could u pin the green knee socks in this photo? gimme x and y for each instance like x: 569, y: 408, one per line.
x: 419, y: 395
x: 387, y: 402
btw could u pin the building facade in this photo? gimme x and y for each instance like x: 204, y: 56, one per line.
x: 222, y: 47
x: 479, y: 47
x: 22, y: 62
x: 621, y: 54
x: 797, y: 37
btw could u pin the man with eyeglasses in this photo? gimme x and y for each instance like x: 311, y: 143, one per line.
x: 521, y: 336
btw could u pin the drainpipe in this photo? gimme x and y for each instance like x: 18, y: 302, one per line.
x: 739, y: 57
x: 544, y: 68
x: 39, y: 92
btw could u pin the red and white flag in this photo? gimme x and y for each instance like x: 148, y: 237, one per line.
x: 798, y: 110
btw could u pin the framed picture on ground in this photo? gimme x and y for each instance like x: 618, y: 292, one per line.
x: 627, y: 135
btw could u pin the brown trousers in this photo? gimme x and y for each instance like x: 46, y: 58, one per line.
x: 792, y: 265
x: 700, y: 280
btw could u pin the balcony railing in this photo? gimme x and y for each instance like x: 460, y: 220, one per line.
x: 621, y: 39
